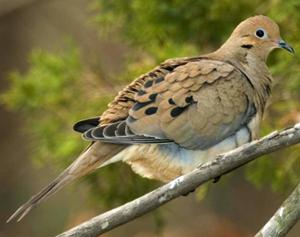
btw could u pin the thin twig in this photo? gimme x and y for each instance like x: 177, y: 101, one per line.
x: 221, y: 165
x: 284, y: 218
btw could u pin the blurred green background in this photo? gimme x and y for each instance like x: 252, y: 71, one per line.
x: 65, y: 60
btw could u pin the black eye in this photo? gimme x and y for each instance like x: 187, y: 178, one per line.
x: 260, y: 33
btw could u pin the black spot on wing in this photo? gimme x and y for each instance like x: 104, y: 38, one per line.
x: 126, y: 99
x: 177, y: 111
x: 134, y: 89
x: 158, y: 80
x: 140, y: 105
x: 141, y: 92
x: 151, y: 74
x: 148, y: 84
x: 189, y: 100
x: 151, y: 110
x: 152, y: 97
x: 171, y: 101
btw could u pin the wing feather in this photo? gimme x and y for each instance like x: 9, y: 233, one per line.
x: 194, y: 102
x: 198, y: 105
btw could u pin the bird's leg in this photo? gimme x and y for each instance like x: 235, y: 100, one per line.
x: 217, y: 179
x: 186, y: 194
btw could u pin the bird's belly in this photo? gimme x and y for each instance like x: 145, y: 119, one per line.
x: 165, y: 162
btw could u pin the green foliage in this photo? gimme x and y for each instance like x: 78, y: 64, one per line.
x: 44, y: 95
x: 57, y: 90
x: 155, y: 23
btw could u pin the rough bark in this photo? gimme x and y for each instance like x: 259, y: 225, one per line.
x: 285, y: 217
x: 223, y: 164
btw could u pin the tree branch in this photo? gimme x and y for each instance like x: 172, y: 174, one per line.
x: 223, y: 164
x: 284, y: 218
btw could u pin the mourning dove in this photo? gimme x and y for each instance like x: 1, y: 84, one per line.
x: 182, y: 113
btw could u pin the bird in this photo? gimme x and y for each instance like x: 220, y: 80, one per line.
x: 181, y: 114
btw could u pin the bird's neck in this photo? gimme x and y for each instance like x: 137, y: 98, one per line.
x: 253, y: 67
x: 258, y: 73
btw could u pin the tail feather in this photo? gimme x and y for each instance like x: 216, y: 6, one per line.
x: 53, y: 187
x: 87, y: 162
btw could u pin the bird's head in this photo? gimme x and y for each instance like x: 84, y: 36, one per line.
x: 258, y: 34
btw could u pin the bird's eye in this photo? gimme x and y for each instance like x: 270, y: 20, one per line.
x: 260, y: 33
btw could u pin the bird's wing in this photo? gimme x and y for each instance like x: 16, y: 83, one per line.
x: 118, y: 110
x: 195, y: 104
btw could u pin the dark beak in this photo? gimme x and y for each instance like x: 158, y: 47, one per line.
x: 282, y: 44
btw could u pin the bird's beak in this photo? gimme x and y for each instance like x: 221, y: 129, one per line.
x: 284, y: 45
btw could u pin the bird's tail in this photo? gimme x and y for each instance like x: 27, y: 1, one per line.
x: 88, y: 161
